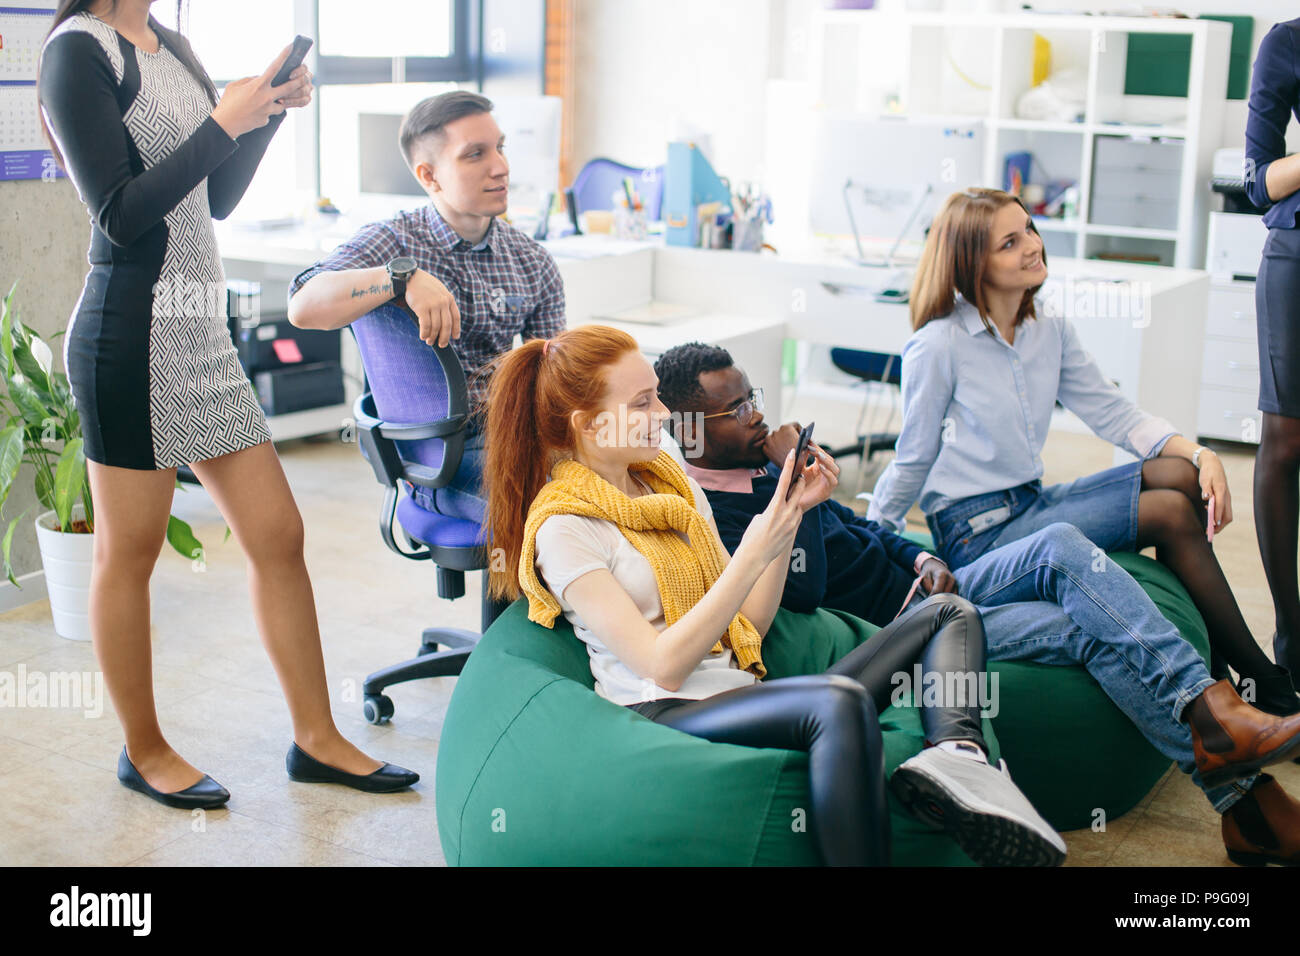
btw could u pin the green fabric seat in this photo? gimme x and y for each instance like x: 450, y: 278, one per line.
x: 534, y: 768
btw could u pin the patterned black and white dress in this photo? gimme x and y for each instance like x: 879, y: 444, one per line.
x: 153, y: 369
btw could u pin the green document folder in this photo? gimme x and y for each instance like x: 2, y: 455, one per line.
x: 1158, y: 64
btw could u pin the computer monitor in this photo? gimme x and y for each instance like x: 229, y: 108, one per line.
x: 531, y: 125
x: 381, y: 168
x: 891, y: 163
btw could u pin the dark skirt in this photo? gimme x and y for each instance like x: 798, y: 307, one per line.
x: 1277, y: 314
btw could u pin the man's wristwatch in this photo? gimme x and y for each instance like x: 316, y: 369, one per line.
x: 400, y: 271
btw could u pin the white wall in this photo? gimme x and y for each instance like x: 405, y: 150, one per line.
x: 648, y: 71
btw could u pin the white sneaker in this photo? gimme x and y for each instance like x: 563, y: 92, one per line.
x: 979, y: 807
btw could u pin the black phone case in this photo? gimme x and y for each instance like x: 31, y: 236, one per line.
x: 301, y: 45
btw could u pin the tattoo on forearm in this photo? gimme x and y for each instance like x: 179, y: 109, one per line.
x: 373, y: 290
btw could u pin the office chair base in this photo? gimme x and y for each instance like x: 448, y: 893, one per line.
x: 431, y: 638
x: 378, y: 707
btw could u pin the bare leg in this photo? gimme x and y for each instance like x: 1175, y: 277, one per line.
x: 131, y: 508
x: 250, y: 489
x: 1171, y: 516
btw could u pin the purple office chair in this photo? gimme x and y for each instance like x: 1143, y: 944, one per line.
x: 411, y: 429
x: 600, y: 178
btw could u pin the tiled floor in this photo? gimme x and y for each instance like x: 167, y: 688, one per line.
x: 220, y: 704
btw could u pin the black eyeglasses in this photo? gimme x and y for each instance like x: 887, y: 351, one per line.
x: 744, y: 412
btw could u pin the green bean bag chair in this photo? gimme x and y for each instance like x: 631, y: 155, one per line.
x: 1070, y: 749
x: 534, y: 768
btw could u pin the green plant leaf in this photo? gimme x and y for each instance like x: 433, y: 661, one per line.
x: 6, y: 333
x: 5, y: 545
x: 69, y: 480
x: 28, y: 400
x: 227, y: 537
x: 11, y: 457
x: 29, y: 356
x: 181, y: 537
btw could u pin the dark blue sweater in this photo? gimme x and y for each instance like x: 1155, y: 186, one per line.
x: 847, y: 562
x: 1274, y: 97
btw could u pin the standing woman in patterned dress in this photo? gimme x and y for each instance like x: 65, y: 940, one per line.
x: 154, y: 155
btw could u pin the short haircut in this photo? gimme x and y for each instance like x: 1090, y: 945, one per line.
x: 429, y: 116
x: 679, y: 371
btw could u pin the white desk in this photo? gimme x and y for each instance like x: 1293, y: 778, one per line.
x: 1144, y: 324
x: 1146, y: 329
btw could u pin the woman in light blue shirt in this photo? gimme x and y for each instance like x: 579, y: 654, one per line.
x: 981, y: 376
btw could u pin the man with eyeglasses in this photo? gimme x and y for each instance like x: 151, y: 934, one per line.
x: 1029, y: 593
x: 849, y: 562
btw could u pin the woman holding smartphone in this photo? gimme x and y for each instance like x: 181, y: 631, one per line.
x: 981, y: 376
x: 1273, y: 182
x: 155, y: 155
x: 606, y: 528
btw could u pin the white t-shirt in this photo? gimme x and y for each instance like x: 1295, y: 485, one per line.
x: 569, y: 546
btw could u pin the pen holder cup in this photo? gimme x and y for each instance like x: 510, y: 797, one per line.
x: 629, y: 223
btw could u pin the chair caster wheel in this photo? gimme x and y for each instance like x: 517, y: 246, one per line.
x: 378, y: 708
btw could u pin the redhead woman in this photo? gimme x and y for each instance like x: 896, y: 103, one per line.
x: 599, y: 524
x: 981, y: 376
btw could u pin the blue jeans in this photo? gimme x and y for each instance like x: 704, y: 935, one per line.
x: 1103, y: 506
x: 463, y: 498
x: 1054, y: 597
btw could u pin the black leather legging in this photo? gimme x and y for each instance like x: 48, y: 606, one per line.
x: 833, y: 717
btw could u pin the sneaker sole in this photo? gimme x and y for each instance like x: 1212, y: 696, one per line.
x: 988, y: 839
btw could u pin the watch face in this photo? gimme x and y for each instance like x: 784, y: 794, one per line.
x: 401, y: 266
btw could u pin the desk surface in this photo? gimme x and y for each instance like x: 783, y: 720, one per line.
x: 303, y: 245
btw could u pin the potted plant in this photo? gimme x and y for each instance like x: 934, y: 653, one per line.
x: 40, y: 427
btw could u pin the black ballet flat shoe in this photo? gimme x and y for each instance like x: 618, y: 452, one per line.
x: 207, y: 794
x: 305, y: 768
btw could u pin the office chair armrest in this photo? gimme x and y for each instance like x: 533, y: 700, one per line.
x: 442, y: 428
x: 378, y: 445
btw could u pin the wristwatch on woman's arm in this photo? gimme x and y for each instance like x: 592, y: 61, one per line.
x: 1196, y: 456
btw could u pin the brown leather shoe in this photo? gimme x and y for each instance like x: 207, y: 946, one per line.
x: 1231, y: 739
x: 1263, y: 826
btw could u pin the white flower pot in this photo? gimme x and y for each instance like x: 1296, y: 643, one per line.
x: 66, y: 558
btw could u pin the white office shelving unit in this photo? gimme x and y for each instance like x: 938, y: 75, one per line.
x: 876, y: 62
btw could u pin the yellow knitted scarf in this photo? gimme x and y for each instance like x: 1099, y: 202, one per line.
x: 683, y: 571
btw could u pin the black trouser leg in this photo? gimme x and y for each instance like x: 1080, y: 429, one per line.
x: 1277, y: 515
x: 834, y: 720
x: 946, y: 634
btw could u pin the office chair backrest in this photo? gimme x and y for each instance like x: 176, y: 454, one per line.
x: 410, y: 382
x: 600, y: 178
x: 869, y: 366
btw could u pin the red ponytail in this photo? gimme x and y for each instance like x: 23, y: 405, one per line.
x: 533, y: 391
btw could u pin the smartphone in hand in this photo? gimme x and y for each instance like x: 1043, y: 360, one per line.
x: 1209, y: 521
x: 800, y: 456
x: 301, y: 45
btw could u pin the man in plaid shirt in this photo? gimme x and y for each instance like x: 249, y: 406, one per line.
x: 479, y: 281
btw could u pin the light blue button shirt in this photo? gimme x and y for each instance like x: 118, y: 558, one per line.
x: 976, y: 410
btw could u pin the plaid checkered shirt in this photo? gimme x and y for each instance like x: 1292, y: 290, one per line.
x: 506, y: 285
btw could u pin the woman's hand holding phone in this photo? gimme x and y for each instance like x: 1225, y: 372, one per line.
x: 770, y: 534
x: 249, y: 104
